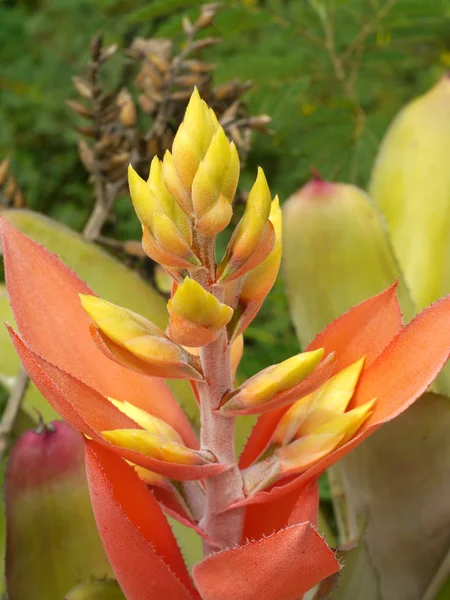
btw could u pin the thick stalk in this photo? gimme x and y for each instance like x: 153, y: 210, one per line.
x: 217, y: 436
x: 217, y: 431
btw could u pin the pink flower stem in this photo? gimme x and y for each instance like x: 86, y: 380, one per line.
x: 218, y: 436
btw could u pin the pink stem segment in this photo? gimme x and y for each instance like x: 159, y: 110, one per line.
x: 217, y: 436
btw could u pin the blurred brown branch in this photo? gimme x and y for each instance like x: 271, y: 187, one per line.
x: 10, y: 193
x: 12, y: 409
x: 165, y: 81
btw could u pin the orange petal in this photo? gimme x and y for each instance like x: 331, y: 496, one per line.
x: 44, y: 296
x: 365, y: 329
x: 137, y: 538
x: 266, y: 424
x: 297, y: 507
x: 280, y: 567
x: 407, y: 366
x: 90, y: 412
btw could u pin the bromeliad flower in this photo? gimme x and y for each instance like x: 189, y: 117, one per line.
x: 100, y: 366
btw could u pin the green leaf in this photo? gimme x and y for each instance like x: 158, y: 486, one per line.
x: 356, y: 577
x: 337, y: 253
x: 189, y: 541
x: 100, y: 589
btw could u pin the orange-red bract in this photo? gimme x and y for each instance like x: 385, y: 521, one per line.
x: 44, y: 296
x: 137, y: 537
x: 297, y: 560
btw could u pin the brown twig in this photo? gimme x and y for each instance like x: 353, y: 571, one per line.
x: 105, y: 196
x: 12, y: 409
x: 165, y: 81
x: 166, y: 107
x: 106, y: 191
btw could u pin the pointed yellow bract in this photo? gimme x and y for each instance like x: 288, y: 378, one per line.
x: 155, y: 446
x: 150, y: 477
x: 162, y: 217
x: 147, y: 421
x: 193, y: 139
x: 167, y: 201
x: 174, y: 185
x: 259, y: 281
x: 194, y: 303
x: 215, y: 184
x: 141, y: 338
x: 251, y: 233
x: 196, y: 315
x: 273, y: 381
x: 316, y: 409
x: 316, y: 444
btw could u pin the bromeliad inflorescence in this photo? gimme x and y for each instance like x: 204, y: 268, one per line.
x: 256, y: 513
x: 185, y: 203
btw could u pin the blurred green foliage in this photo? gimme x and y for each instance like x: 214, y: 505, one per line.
x: 330, y: 73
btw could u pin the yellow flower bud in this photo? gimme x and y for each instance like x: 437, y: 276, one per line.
x: 303, y: 453
x: 192, y: 139
x: 259, y: 281
x: 215, y: 184
x: 254, y: 237
x: 149, y: 444
x: 196, y: 315
x: 237, y: 349
x: 140, y: 339
x: 272, y: 383
x: 308, y: 449
x: 147, y: 421
x: 323, y: 405
x: 174, y: 185
x: 160, y: 217
x: 167, y: 201
x: 150, y: 477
